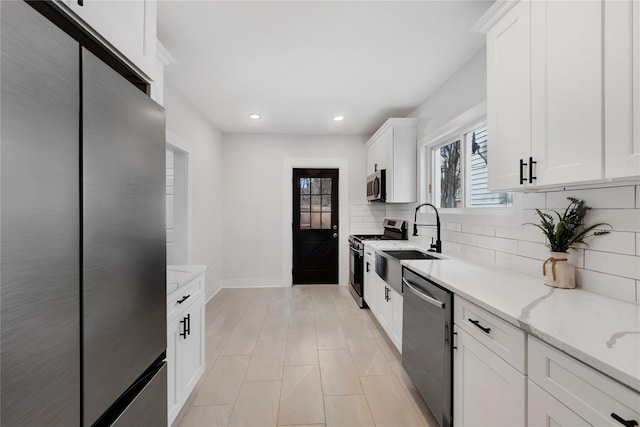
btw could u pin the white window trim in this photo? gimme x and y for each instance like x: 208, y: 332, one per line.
x: 455, y: 128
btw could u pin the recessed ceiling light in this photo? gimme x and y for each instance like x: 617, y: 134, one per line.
x: 255, y: 116
x: 338, y: 118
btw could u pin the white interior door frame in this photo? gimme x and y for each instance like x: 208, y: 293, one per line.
x: 180, y: 146
x: 288, y: 164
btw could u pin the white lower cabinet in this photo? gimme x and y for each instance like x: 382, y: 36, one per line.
x: 385, y: 309
x: 370, y: 282
x: 185, y: 343
x: 594, y: 398
x: 487, y: 391
x: 389, y: 312
x: 489, y: 369
x: 545, y: 410
x: 396, y: 318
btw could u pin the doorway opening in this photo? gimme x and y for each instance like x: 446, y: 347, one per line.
x: 177, y: 206
x: 315, y: 226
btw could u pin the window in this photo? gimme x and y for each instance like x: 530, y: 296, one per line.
x: 460, y: 172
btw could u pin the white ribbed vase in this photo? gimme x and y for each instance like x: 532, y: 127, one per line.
x: 558, y: 271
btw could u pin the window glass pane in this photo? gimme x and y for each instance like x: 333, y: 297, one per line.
x: 326, y: 185
x: 326, y: 203
x: 304, y: 185
x: 326, y: 220
x: 450, y: 179
x: 316, y: 203
x: 305, y: 220
x: 315, y: 220
x: 316, y: 185
x: 478, y: 159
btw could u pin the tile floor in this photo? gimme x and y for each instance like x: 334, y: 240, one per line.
x: 304, y: 355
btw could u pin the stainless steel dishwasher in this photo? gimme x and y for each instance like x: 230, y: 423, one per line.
x: 427, y: 334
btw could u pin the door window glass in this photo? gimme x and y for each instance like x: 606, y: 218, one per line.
x: 315, y: 203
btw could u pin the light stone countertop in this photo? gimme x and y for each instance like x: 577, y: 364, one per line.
x: 602, y: 332
x: 178, y: 275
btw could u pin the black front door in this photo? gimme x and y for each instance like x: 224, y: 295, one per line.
x: 315, y: 226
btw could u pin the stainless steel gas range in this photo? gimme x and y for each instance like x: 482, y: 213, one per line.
x: 394, y: 229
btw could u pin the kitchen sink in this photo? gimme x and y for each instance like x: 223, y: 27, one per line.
x: 409, y: 254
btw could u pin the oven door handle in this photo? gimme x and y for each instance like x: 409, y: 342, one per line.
x: 355, y: 251
x: 423, y: 296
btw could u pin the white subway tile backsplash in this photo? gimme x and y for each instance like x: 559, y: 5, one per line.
x: 617, y: 242
x: 477, y: 255
x: 485, y: 230
x: 621, y: 288
x: 619, y: 219
x: 598, y: 198
x: 610, y: 265
x: 452, y: 226
x: 616, y: 264
x: 534, y: 200
x: 532, y: 267
x: 469, y: 239
x: 533, y: 250
x: 523, y: 232
x: 498, y: 244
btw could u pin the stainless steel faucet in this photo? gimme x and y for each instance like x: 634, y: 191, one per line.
x: 437, y: 246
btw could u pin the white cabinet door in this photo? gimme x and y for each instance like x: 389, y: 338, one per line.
x: 128, y: 26
x: 396, y: 322
x: 566, y: 91
x: 192, y: 357
x: 377, y: 154
x: 546, y: 411
x: 174, y: 399
x: 487, y: 390
x: 509, y: 96
x: 370, y: 283
x: 622, y: 88
x: 385, y: 309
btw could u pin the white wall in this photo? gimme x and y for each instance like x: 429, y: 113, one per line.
x: 253, y: 199
x: 609, y: 266
x: 465, y: 89
x: 207, y: 173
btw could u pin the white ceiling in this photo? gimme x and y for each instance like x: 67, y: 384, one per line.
x: 300, y: 63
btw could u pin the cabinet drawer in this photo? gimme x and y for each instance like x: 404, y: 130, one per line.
x: 592, y: 395
x: 501, y: 337
x: 187, y: 293
x: 547, y: 411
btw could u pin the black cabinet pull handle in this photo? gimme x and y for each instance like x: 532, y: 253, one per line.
x: 188, y: 330
x: 183, y: 334
x: 367, y: 267
x: 80, y: 2
x: 626, y: 423
x: 522, y: 178
x: 531, y: 163
x: 477, y: 323
x: 183, y: 299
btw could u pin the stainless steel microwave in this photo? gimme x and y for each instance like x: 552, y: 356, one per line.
x: 376, y: 186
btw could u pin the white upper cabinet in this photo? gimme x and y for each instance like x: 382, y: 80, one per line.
x: 393, y: 148
x: 127, y: 28
x: 509, y: 95
x: 622, y: 88
x: 563, y: 85
x: 566, y: 91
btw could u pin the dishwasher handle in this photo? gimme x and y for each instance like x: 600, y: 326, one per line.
x: 421, y: 295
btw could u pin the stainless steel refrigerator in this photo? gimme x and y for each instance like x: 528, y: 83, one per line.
x: 82, y: 246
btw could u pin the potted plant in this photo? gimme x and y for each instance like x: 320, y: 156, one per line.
x: 562, y: 235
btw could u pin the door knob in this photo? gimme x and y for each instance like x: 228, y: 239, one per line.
x: 335, y: 227
x: 335, y: 235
